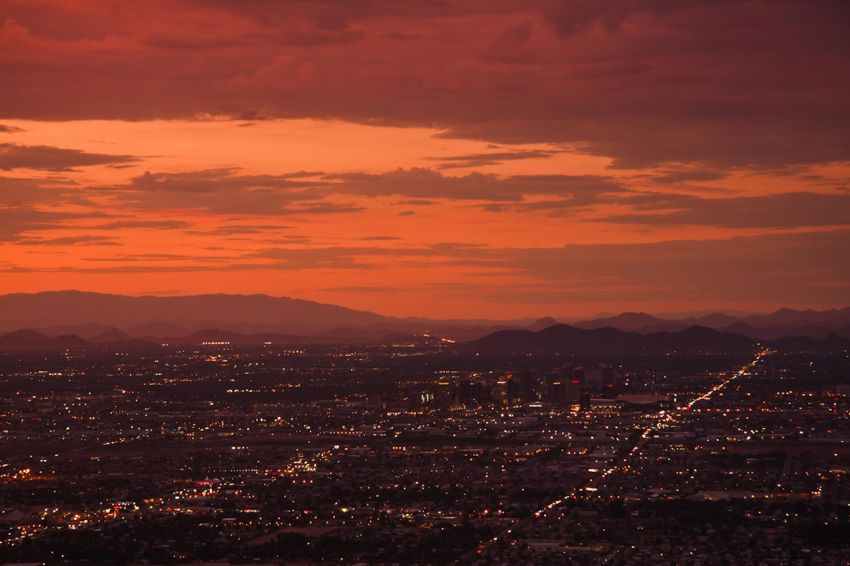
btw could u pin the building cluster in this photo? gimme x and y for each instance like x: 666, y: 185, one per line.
x: 392, y: 455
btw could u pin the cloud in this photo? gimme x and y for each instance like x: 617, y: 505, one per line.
x: 327, y: 208
x: 242, y: 229
x: 686, y: 175
x: 774, y: 268
x: 363, y: 289
x: 420, y: 183
x: 492, y: 158
x: 49, y: 158
x: 226, y: 191
x: 334, y: 257
x: 416, y: 202
x: 741, y: 83
x: 783, y: 210
x: 4, y: 129
x: 17, y: 220
x: 221, y: 191
x: 163, y: 257
x: 25, y: 192
x: 88, y: 240
x: 777, y: 268
x: 141, y: 224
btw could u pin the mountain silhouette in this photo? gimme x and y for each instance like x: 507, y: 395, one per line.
x: 32, y: 340
x: 564, y: 339
x: 58, y: 308
x: 100, y: 318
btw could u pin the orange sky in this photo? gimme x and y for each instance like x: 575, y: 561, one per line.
x: 524, y: 160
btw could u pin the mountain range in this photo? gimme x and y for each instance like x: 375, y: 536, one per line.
x: 52, y: 319
x: 781, y: 323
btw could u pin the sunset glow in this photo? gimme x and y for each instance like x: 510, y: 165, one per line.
x: 498, y: 159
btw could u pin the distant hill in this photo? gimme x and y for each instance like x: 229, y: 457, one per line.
x: 783, y: 322
x: 85, y: 331
x: 32, y: 340
x: 713, y: 320
x: 65, y: 308
x: 542, y: 324
x: 792, y: 317
x: 632, y: 322
x: 564, y: 339
x: 110, y: 336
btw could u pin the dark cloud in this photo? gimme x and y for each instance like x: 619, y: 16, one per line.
x: 777, y: 268
x: 428, y: 184
x: 88, y: 240
x: 784, y: 210
x: 512, y: 46
x: 780, y: 210
x: 240, y: 229
x: 336, y: 257
x: 774, y: 267
x: 327, y: 208
x: 142, y: 224
x: 367, y: 257
x: 228, y: 192
x: 219, y: 191
x: 17, y: 192
x: 17, y: 220
x: 215, y: 180
x: 364, y: 289
x: 4, y: 129
x: 49, y: 158
x: 746, y: 83
x: 686, y: 176
x: 492, y: 158
x: 163, y: 257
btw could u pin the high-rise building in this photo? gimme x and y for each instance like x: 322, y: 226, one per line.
x: 555, y: 393
x: 527, y: 386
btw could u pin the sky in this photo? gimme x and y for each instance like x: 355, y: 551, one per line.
x: 441, y: 158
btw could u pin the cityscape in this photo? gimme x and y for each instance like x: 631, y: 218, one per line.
x: 425, y: 452
x: 424, y: 282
